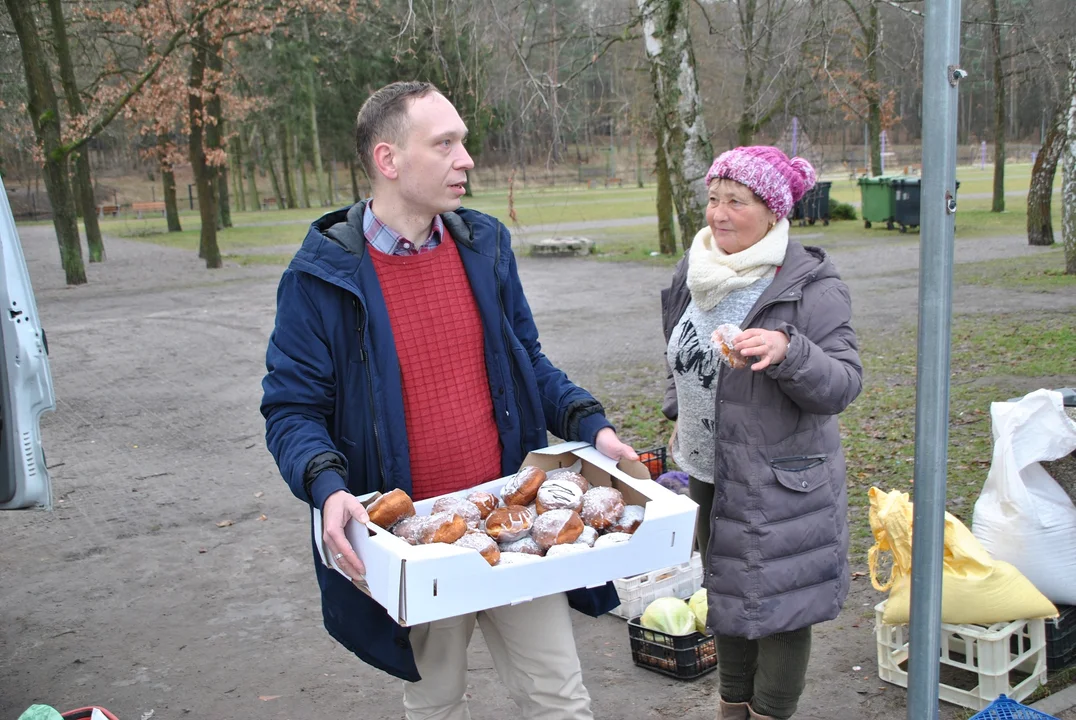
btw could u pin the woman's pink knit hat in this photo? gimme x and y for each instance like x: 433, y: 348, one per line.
x: 780, y: 182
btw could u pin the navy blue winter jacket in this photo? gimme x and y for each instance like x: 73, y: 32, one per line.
x: 333, y: 403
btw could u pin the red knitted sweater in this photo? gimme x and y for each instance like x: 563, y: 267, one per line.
x: 451, y: 434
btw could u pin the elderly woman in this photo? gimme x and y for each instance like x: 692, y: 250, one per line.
x: 761, y: 444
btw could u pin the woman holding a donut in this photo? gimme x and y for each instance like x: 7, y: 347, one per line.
x: 756, y: 425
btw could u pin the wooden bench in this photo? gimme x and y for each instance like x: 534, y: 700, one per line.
x: 140, y: 207
x: 112, y: 210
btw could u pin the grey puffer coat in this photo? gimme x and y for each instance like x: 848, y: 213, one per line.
x: 778, y: 557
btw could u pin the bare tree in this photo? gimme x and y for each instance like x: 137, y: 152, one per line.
x: 1068, y: 175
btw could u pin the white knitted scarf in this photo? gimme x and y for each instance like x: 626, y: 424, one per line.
x: 712, y: 273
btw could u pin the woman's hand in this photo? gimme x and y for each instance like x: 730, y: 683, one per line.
x: 768, y: 347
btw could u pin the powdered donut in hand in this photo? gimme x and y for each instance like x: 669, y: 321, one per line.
x: 483, y: 543
x: 509, y: 523
x: 567, y: 474
x: 464, y: 508
x: 556, y: 527
x: 522, y: 488
x: 722, y: 340
x: 484, y: 501
x: 602, y: 506
x: 390, y: 508
x: 629, y: 519
x: 558, y: 494
x: 525, y: 545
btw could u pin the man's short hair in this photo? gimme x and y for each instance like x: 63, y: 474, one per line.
x: 383, y: 118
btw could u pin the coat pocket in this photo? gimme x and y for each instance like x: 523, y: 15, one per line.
x: 802, y: 473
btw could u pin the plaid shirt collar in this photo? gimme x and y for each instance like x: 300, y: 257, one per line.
x: 390, y: 242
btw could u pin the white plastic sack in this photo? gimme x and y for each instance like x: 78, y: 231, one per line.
x: 1022, y: 515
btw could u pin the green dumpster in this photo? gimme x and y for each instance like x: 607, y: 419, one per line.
x: 878, y: 200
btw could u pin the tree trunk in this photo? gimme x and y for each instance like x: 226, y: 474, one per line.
x: 998, y: 204
x: 666, y: 232
x: 203, y: 178
x: 302, y: 172
x: 745, y: 132
x: 168, y: 179
x: 45, y: 116
x: 246, y: 149
x: 315, y: 140
x: 83, y: 182
x: 268, y: 143
x: 1040, y: 225
x: 679, y: 108
x: 214, y: 136
x: 238, y: 189
x: 1068, y: 175
x: 874, y: 92
x: 285, y: 165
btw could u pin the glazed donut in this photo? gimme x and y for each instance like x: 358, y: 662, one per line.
x: 483, y: 543
x: 509, y: 523
x: 522, y: 488
x: 525, y: 544
x: 556, y: 527
x: 484, y: 501
x: 464, y: 508
x: 443, y: 527
x: 613, y: 538
x: 566, y: 474
x: 602, y: 506
x: 390, y: 508
x: 558, y: 494
x: 629, y: 519
x: 722, y: 339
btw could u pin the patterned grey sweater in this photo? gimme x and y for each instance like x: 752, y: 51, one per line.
x: 694, y: 366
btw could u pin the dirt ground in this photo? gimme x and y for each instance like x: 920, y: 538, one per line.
x: 129, y: 595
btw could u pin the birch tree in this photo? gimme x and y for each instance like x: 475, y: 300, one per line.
x: 1068, y: 175
x: 678, y: 109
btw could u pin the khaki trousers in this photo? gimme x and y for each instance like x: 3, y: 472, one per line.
x: 533, y: 650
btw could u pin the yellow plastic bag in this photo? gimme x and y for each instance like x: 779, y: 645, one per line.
x: 976, y: 589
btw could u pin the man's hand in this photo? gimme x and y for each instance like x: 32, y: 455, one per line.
x: 338, y: 509
x: 609, y: 445
x: 767, y: 346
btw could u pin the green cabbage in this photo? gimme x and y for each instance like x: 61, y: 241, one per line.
x: 669, y: 615
x: 697, y: 603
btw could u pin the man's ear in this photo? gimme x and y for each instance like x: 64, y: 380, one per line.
x: 385, y: 160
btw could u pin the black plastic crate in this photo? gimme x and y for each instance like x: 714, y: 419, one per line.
x: 680, y: 656
x: 654, y: 460
x: 1061, y: 639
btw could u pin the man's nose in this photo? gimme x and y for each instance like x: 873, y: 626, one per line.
x: 463, y: 159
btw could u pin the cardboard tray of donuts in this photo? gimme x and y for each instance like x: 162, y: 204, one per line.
x: 446, y: 560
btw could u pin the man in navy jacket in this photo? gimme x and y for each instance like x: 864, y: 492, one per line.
x: 380, y: 319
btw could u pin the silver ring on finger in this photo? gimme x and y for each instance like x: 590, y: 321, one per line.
x: 337, y: 556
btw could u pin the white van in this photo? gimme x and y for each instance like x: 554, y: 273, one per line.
x: 25, y: 382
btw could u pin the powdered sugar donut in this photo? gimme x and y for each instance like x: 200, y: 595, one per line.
x: 613, y: 538
x: 509, y: 523
x: 556, y: 527
x: 517, y: 558
x: 464, y: 508
x: 567, y: 549
x: 587, y: 537
x: 525, y: 544
x: 522, y: 488
x: 722, y: 339
x: 569, y: 474
x: 629, y: 519
x: 483, y: 543
x: 602, y: 505
x: 410, y: 529
x: 443, y: 527
x: 556, y: 494
x: 484, y: 501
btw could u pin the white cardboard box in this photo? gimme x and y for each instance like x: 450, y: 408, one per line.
x: 422, y: 583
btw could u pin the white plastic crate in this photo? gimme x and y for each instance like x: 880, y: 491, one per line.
x: 638, y: 591
x: 1006, y: 657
